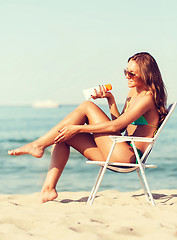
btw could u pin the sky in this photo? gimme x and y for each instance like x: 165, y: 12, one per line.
x: 53, y: 49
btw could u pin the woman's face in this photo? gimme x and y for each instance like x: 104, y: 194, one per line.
x: 133, y: 75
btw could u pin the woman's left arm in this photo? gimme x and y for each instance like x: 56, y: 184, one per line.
x: 109, y: 126
x: 123, y: 120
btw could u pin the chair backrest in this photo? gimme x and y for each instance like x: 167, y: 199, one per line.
x: 122, y: 169
x: 170, y: 110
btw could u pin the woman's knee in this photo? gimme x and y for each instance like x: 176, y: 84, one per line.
x: 93, y: 113
x: 88, y: 107
x: 87, y: 104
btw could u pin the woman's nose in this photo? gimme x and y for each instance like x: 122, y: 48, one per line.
x: 127, y: 76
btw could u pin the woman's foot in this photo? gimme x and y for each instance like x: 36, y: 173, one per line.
x: 48, y: 195
x: 30, y: 148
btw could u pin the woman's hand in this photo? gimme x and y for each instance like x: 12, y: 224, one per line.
x: 101, y: 93
x: 66, y: 133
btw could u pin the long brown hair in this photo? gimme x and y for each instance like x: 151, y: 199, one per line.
x: 152, y: 78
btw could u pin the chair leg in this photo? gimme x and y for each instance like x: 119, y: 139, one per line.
x: 147, y: 189
x: 100, y: 176
x: 96, y: 182
x: 143, y: 186
x: 141, y: 168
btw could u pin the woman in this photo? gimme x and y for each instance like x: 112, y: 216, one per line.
x: 87, y: 128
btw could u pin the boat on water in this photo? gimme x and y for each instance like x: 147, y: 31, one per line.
x: 45, y: 104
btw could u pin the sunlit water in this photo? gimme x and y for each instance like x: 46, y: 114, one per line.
x: 26, y: 174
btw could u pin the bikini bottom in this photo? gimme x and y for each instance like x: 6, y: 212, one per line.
x: 125, y: 168
x: 138, y: 150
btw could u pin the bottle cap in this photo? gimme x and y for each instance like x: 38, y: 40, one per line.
x: 108, y: 87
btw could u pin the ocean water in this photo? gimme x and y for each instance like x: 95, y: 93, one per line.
x: 25, y: 174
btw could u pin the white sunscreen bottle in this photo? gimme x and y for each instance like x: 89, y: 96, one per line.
x: 88, y: 92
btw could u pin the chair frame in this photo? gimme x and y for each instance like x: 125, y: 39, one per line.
x: 122, y: 167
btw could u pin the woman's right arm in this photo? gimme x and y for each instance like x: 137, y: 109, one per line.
x: 112, y: 106
x: 111, y: 101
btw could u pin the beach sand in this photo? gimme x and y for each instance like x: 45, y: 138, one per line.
x: 114, y: 215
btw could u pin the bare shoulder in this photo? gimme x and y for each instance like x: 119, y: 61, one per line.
x: 149, y: 99
x: 149, y: 93
x: 149, y: 96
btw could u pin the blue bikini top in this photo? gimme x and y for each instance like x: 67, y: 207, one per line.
x: 141, y: 120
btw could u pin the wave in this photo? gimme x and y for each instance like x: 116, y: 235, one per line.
x: 14, y: 140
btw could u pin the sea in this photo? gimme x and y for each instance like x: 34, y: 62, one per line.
x: 25, y: 174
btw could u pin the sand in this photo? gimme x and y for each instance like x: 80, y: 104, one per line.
x: 114, y: 215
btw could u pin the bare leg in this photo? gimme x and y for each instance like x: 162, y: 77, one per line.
x: 94, y: 147
x: 79, y: 116
x: 84, y: 143
x: 57, y: 165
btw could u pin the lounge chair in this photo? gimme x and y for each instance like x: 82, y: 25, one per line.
x: 129, y: 167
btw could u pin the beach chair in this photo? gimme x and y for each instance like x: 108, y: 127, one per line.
x: 129, y: 167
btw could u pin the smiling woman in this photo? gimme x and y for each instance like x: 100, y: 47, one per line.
x: 87, y: 128
x: 150, y: 75
x: 133, y: 75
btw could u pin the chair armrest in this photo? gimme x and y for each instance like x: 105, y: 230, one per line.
x: 121, y: 164
x: 130, y: 138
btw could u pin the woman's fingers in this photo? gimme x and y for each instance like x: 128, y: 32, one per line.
x: 57, y: 139
x: 65, y: 133
x: 95, y: 95
x: 101, y: 93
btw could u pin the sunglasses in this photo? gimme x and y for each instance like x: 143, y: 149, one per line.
x: 130, y: 74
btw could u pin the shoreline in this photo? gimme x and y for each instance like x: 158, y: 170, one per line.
x: 113, y: 214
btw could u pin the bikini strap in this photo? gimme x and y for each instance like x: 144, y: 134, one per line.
x: 128, y: 103
x: 152, y: 125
